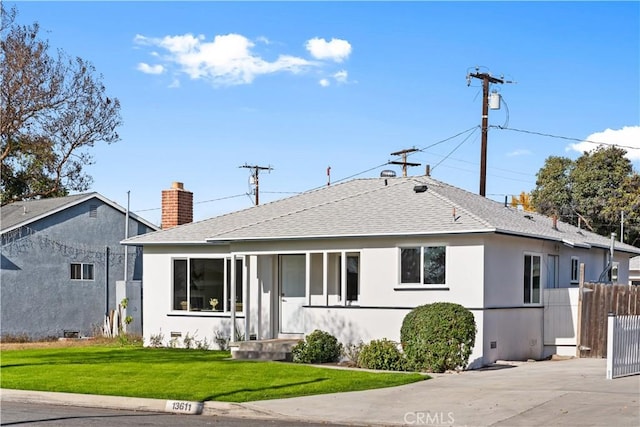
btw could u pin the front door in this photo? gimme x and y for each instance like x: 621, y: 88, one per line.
x: 292, y: 293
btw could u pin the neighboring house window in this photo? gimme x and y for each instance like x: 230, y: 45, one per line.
x: 93, y: 211
x: 613, y: 274
x: 199, y: 282
x: 81, y: 271
x: 426, y: 265
x: 575, y: 269
x: 531, y: 279
x: 553, y: 266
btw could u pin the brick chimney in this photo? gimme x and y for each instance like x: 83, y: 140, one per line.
x: 177, y: 206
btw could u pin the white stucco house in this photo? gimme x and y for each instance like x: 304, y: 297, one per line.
x: 354, y: 258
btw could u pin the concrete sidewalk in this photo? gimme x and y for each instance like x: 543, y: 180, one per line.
x: 549, y: 393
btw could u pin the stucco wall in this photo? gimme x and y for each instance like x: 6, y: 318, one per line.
x: 38, y: 297
x: 484, y: 274
x: 381, y: 306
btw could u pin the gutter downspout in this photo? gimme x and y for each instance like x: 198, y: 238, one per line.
x: 106, y: 280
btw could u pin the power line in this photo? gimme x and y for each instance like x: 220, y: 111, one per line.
x: 565, y: 137
x: 197, y: 203
x: 452, y: 151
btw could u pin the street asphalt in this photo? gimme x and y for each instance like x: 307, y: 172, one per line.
x: 571, y: 392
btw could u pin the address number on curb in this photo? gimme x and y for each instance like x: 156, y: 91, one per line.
x: 184, y: 407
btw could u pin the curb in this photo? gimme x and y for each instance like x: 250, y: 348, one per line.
x: 238, y: 410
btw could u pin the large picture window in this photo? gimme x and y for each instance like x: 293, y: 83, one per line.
x: 203, y: 284
x: 531, y: 279
x: 81, y: 271
x: 425, y: 265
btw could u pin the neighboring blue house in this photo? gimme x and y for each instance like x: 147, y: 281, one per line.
x: 61, y: 259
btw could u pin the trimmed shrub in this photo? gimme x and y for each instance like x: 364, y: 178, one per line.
x: 438, y: 337
x: 318, y: 347
x: 382, y: 354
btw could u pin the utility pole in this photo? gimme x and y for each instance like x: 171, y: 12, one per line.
x: 256, y: 171
x: 404, y: 162
x: 486, y: 80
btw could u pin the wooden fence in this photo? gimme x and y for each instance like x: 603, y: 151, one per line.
x: 596, y: 302
x: 623, y: 346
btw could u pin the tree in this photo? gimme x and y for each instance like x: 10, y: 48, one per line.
x: 552, y: 195
x: 626, y: 199
x: 595, y: 188
x: 524, y: 200
x: 53, y: 109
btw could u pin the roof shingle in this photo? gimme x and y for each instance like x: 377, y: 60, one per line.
x: 376, y: 207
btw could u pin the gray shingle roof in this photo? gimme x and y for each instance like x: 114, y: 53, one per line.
x: 376, y: 207
x: 20, y: 213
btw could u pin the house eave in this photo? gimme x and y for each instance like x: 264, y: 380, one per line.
x: 570, y: 243
x: 214, y: 240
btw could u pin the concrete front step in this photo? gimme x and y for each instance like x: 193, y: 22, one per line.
x: 274, y: 349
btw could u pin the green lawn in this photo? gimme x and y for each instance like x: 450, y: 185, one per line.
x: 178, y: 374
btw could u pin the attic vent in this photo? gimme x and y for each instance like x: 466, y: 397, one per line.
x: 420, y: 188
x: 93, y: 211
x: 387, y: 174
x: 529, y: 217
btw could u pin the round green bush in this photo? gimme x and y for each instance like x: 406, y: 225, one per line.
x: 317, y: 347
x: 438, y: 337
x: 381, y: 354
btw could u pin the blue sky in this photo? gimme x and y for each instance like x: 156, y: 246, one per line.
x: 207, y: 87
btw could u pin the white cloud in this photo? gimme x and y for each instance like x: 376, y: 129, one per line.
x: 336, y: 50
x: 227, y: 60
x: 627, y: 138
x: 324, y: 82
x: 341, y: 76
x: 150, y: 69
x: 522, y: 152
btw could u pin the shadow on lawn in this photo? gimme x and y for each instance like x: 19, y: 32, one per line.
x: 255, y: 390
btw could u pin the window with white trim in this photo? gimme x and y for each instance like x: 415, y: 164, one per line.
x: 81, y: 271
x: 423, y: 265
x: 532, y: 279
x: 575, y: 269
x: 352, y: 274
x: 204, y: 284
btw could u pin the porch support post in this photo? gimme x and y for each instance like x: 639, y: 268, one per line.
x: 307, y: 278
x: 343, y: 278
x: 246, y: 294
x: 260, y: 286
x: 325, y: 278
x: 232, y: 298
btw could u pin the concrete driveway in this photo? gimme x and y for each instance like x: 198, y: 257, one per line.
x: 570, y: 392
